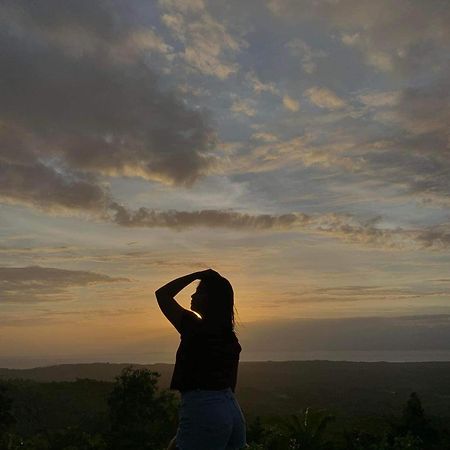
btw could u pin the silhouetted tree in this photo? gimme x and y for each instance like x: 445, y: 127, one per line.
x: 256, y: 431
x: 413, y: 421
x: 142, y: 418
x: 413, y: 417
x: 307, y: 432
x: 6, y: 417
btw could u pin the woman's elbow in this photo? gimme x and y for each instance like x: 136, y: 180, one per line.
x: 160, y: 295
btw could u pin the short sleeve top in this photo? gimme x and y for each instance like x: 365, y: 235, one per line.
x: 206, y: 358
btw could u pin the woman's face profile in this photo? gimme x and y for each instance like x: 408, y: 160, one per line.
x: 198, y: 299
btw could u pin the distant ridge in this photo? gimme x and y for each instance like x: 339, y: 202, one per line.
x: 71, y: 372
x: 270, y: 370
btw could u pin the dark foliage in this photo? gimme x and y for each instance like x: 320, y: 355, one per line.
x: 7, y: 420
x: 133, y: 414
x: 141, y: 417
x: 6, y: 417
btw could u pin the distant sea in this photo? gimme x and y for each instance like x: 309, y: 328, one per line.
x: 166, y: 357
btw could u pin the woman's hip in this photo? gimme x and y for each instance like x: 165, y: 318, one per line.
x: 211, y: 419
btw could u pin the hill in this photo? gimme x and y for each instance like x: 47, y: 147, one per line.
x: 353, y: 388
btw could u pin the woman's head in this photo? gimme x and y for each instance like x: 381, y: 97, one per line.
x: 214, y: 301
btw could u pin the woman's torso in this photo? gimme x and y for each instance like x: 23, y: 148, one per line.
x: 206, y: 358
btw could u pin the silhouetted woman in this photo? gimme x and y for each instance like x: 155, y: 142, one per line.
x: 206, y: 363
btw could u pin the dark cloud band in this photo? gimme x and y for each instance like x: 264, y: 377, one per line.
x: 35, y: 283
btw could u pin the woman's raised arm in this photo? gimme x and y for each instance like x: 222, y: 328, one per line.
x: 165, y: 295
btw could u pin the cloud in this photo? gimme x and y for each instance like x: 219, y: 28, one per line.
x: 344, y: 227
x: 265, y: 137
x: 358, y: 293
x: 393, y: 138
x: 258, y: 86
x: 291, y: 104
x: 348, y: 228
x: 241, y: 106
x: 208, y: 46
x: 89, y: 113
x: 144, y: 40
x: 400, y: 136
x: 313, y: 148
x: 435, y: 236
x: 324, y: 98
x: 68, y: 317
x: 38, y: 284
x: 44, y: 187
x: 207, y: 218
x: 412, y: 154
x: 83, y: 28
x: 380, y: 98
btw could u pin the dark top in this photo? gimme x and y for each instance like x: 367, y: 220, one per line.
x: 206, y: 358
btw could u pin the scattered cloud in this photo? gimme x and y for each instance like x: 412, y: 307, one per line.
x: 360, y: 294
x: 357, y: 293
x: 291, y: 104
x: 208, y: 46
x: 241, y: 106
x: 324, y: 98
x: 258, y: 86
x: 379, y: 99
x: 264, y: 136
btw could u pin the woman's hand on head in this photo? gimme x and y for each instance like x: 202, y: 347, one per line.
x: 208, y: 273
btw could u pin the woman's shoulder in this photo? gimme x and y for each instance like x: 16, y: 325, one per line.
x: 190, y: 322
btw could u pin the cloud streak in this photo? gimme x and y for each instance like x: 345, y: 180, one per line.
x: 344, y: 227
x: 180, y: 220
x: 358, y: 294
x: 34, y: 284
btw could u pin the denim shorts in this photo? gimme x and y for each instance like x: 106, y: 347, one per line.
x: 210, y: 420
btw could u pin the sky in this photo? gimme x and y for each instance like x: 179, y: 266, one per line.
x: 300, y: 148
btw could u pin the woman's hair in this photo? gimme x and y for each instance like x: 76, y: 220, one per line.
x: 219, y: 308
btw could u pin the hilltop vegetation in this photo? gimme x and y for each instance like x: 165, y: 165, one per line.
x: 307, y: 405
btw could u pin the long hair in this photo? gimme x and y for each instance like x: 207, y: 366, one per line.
x: 219, y: 307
